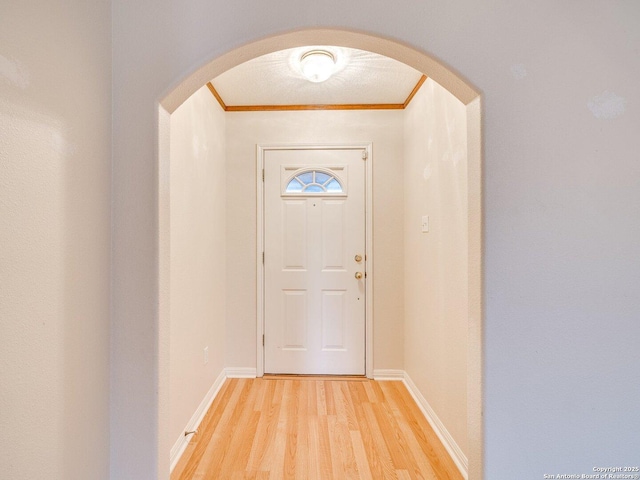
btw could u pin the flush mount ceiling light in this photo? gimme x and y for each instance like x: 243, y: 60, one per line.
x: 317, y: 65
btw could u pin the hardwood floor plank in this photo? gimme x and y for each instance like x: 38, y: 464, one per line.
x: 394, y: 441
x: 341, y: 439
x: 302, y: 431
x: 221, y: 439
x: 262, y: 386
x: 339, y: 403
x: 362, y: 461
x: 291, y: 450
x: 321, y: 402
x: 312, y: 399
x: 274, y: 462
x: 244, y: 431
x: 277, y: 395
x: 349, y: 462
x: 382, y: 452
x: 422, y: 466
x: 374, y: 459
x: 314, y: 429
x: 342, y: 457
x: 208, y: 426
x: 348, y: 403
x: 314, y: 449
x: 240, y: 448
x: 328, y: 396
x: 326, y: 460
x: 371, y: 394
x: 266, y: 431
x: 403, y: 475
x: 377, y: 391
x: 358, y: 392
x: 441, y: 462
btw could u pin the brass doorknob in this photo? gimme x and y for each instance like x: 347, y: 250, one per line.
x: 358, y: 275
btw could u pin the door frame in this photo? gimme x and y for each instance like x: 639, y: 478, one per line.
x: 261, y: 149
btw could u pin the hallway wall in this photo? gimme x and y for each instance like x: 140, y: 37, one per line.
x: 244, y: 131
x: 55, y: 239
x: 436, y: 278
x: 198, y: 255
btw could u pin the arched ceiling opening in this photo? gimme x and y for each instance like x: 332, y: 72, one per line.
x: 358, y: 80
x: 420, y: 61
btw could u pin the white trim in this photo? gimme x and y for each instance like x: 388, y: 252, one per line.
x: 368, y: 355
x: 458, y: 457
x: 241, y: 372
x: 260, y: 260
x: 388, y: 374
x: 260, y: 151
x: 181, y: 443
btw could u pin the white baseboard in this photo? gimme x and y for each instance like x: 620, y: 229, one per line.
x: 458, y: 457
x: 182, y: 442
x: 241, y: 372
x: 388, y: 374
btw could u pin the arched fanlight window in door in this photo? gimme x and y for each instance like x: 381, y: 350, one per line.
x: 314, y: 181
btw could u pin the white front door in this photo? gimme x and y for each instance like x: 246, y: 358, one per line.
x: 314, y: 265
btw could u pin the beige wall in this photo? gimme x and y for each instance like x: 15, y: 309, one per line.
x: 198, y: 255
x: 55, y: 220
x: 244, y: 131
x: 435, y: 184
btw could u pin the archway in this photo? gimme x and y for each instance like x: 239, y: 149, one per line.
x: 421, y: 62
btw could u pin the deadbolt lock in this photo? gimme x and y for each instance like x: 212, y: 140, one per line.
x: 358, y: 258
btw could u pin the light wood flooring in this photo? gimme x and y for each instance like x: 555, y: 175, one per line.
x: 308, y: 428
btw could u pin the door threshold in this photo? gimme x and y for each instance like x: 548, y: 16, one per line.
x: 295, y: 376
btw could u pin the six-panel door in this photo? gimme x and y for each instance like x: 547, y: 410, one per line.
x: 314, y: 238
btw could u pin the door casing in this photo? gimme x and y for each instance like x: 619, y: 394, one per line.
x: 260, y: 154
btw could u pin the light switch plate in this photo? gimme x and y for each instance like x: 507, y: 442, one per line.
x: 425, y: 224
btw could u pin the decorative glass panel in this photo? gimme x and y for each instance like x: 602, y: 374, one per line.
x: 313, y: 181
x: 305, y: 178
x: 334, y: 186
x: 322, y: 178
x: 294, y: 186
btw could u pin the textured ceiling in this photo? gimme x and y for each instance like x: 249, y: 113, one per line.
x: 275, y: 79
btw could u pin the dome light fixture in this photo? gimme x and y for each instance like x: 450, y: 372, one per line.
x: 317, y: 65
